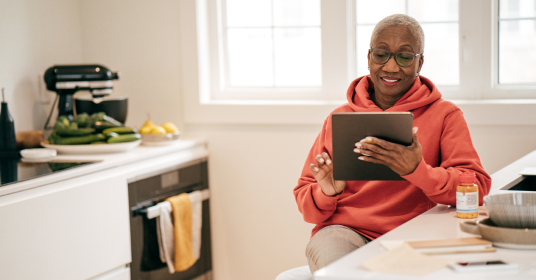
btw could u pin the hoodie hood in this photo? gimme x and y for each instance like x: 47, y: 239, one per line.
x: 422, y: 93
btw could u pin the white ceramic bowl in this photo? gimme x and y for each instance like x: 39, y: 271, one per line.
x: 38, y: 153
x: 513, y: 210
x: 160, y: 140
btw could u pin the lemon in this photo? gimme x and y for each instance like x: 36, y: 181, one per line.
x: 158, y: 130
x: 148, y: 122
x: 170, y: 127
x: 147, y: 129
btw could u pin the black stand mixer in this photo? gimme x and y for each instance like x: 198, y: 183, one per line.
x: 66, y: 80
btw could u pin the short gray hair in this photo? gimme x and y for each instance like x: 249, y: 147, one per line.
x: 397, y: 20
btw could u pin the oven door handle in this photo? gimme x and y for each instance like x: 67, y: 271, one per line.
x: 139, y: 210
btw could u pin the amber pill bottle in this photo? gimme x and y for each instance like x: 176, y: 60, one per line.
x: 467, y: 196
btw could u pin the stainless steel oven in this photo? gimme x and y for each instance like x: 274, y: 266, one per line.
x: 147, y: 191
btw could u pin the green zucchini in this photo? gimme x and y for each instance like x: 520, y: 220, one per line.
x: 111, y: 120
x: 97, y: 143
x: 66, y: 132
x: 124, y: 138
x: 81, y: 119
x: 64, y: 120
x: 59, y: 124
x: 80, y: 139
x: 96, y: 117
x: 53, y: 138
x: 102, y: 125
x: 120, y: 130
x: 110, y: 134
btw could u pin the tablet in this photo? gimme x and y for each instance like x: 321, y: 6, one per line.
x: 350, y: 128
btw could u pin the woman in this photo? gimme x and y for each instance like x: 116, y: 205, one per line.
x: 349, y: 214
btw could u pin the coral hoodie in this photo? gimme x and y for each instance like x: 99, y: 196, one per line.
x: 373, y: 208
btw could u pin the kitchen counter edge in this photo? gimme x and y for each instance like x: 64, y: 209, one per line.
x: 108, y: 161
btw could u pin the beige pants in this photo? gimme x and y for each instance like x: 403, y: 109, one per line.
x: 330, y: 244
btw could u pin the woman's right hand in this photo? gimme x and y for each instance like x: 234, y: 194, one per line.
x: 324, y: 175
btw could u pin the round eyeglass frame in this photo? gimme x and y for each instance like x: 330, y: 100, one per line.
x: 393, y: 54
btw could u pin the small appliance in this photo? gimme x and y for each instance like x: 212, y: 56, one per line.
x: 114, y: 106
x: 8, y: 144
x: 66, y: 80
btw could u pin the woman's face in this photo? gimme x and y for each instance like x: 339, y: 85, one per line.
x: 391, y: 80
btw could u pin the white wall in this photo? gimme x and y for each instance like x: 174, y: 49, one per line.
x: 35, y: 35
x: 140, y: 39
x: 500, y: 145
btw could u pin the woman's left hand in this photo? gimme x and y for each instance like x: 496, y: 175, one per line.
x: 401, y: 159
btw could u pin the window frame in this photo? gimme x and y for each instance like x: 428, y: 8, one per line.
x: 484, y: 14
x: 479, y: 97
x: 511, y: 90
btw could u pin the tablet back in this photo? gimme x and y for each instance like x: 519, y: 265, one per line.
x: 350, y: 128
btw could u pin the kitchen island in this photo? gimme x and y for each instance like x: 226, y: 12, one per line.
x: 74, y: 224
x: 441, y: 222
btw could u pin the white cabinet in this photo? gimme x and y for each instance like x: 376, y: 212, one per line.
x: 73, y: 229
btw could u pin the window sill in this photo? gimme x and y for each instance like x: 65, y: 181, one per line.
x: 260, y: 112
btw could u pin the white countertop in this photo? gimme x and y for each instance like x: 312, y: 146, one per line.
x: 192, y: 148
x: 440, y: 222
x: 508, y: 176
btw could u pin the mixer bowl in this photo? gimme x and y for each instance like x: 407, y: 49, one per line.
x: 115, y: 107
x: 513, y: 210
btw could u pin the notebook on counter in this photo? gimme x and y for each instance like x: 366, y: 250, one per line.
x: 445, y: 246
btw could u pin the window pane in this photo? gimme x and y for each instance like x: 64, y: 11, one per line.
x: 296, y: 12
x: 297, y: 57
x: 273, y: 43
x: 441, y: 53
x: 434, y: 11
x: 370, y: 12
x: 517, y: 51
x: 250, y: 56
x: 248, y: 13
x: 517, y: 8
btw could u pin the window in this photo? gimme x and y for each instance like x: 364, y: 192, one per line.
x: 249, y: 57
x: 273, y: 49
x: 517, y: 42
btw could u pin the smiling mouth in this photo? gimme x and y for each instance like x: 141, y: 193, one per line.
x: 389, y: 81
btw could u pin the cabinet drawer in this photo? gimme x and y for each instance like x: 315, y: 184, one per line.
x: 73, y: 229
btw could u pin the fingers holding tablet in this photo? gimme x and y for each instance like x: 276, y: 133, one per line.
x: 401, y: 159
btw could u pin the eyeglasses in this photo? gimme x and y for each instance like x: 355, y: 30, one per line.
x: 403, y: 59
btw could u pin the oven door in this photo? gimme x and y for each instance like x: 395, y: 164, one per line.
x: 147, y: 192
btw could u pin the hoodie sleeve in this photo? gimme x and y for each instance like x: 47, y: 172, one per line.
x: 457, y: 155
x: 315, y: 206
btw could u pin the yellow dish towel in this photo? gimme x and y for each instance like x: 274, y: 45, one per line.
x: 182, y: 218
